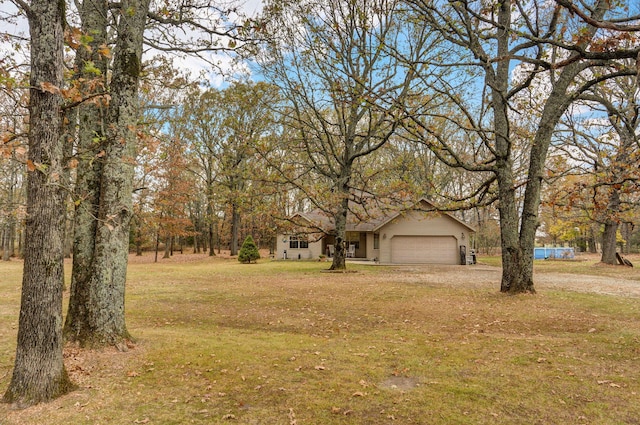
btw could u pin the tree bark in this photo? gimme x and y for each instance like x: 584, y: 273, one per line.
x: 622, y: 161
x: 609, y: 242
x: 609, y: 236
x: 103, y: 321
x: 340, y: 218
x: 116, y: 186
x: 520, y: 267
x: 39, y: 373
x: 91, y: 124
x: 339, y: 255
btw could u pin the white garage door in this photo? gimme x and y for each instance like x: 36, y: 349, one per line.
x: 424, y: 250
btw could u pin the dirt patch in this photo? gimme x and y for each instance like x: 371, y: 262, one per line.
x: 339, y: 271
x: 402, y: 383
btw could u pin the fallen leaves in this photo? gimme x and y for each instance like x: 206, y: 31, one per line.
x: 292, y: 417
x: 609, y: 383
x: 340, y: 410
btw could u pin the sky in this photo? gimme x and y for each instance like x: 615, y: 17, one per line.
x: 215, y: 78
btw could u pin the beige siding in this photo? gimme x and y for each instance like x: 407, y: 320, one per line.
x: 371, y: 252
x: 313, y: 252
x: 417, y: 223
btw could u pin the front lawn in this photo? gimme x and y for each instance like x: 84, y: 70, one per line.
x: 283, y: 343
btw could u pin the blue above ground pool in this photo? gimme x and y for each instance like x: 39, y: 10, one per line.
x: 555, y: 253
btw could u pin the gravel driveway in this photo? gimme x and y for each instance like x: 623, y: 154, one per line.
x: 483, y: 276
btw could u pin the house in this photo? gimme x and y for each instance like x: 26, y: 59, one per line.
x: 415, y: 235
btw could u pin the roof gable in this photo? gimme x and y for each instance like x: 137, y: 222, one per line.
x: 319, y: 220
x: 423, y: 205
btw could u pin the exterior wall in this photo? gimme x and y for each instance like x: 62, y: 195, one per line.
x: 416, y: 223
x: 413, y: 223
x: 313, y: 252
x: 371, y: 253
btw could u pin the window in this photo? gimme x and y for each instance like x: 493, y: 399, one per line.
x: 376, y: 241
x: 298, y: 242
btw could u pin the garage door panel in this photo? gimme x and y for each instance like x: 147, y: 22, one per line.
x: 424, y: 250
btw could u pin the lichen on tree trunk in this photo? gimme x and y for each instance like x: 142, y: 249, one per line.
x: 340, y: 217
x: 90, y: 139
x: 102, y: 321
x: 39, y: 374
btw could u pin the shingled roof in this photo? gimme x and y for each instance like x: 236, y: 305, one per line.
x: 319, y: 220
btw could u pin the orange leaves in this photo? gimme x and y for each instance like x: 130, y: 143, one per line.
x: 79, y: 91
x: 9, y: 147
x: 73, y: 163
x: 613, y: 41
x: 75, y: 39
x: 49, y: 88
x: 105, y: 51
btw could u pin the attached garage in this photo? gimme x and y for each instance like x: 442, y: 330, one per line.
x: 424, y: 250
x: 419, y: 234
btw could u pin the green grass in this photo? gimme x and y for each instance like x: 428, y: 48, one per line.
x: 283, y: 343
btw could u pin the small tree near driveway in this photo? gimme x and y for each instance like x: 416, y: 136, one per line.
x: 249, y: 251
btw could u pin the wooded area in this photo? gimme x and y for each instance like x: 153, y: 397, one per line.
x: 520, y: 116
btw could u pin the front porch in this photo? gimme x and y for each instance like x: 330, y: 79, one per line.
x: 355, y: 244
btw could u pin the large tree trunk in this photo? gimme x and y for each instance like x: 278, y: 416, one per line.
x: 609, y: 240
x: 116, y: 187
x: 340, y: 217
x: 622, y: 161
x: 498, y: 79
x: 104, y: 319
x: 91, y: 123
x: 509, y: 238
x: 39, y: 373
x: 517, y: 273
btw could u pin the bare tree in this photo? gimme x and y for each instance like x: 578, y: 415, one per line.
x: 603, y: 142
x: 487, y: 42
x: 338, y: 65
